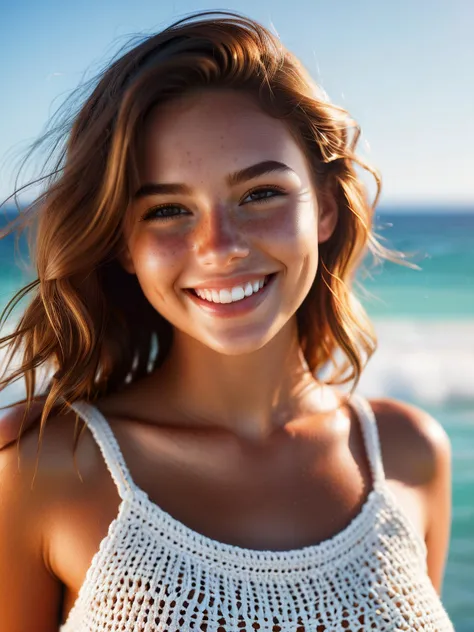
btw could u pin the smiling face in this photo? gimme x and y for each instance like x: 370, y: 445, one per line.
x: 226, y: 198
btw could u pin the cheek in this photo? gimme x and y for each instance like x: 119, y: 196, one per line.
x: 157, y: 258
x: 291, y: 232
x: 295, y: 244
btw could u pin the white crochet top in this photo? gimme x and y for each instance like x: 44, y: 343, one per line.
x: 153, y: 573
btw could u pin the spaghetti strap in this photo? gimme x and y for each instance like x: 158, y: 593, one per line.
x: 105, y: 438
x: 120, y: 473
x: 370, y: 434
x: 374, y: 570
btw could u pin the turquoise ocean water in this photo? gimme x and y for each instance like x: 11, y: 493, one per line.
x: 424, y: 321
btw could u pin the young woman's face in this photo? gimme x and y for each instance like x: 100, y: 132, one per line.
x: 226, y: 200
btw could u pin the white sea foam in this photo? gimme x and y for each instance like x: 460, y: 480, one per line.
x: 428, y: 362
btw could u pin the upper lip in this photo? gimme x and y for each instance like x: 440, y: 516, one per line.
x: 229, y: 282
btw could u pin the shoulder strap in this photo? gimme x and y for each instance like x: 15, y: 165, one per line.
x: 105, y: 438
x: 370, y: 434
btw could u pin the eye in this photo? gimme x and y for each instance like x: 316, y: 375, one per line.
x: 262, y: 194
x: 163, y: 212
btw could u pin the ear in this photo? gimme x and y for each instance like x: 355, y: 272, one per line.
x: 328, y: 214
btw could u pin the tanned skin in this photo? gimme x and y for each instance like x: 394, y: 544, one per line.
x: 232, y: 435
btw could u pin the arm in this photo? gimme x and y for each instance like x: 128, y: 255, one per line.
x: 438, y: 502
x: 417, y: 454
x: 30, y: 597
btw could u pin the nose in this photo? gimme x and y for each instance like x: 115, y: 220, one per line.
x: 219, y: 239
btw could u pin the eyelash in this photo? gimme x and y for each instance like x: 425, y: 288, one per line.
x: 149, y: 215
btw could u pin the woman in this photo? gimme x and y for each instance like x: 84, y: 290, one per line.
x: 195, y: 250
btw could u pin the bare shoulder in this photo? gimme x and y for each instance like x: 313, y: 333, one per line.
x: 43, y: 464
x: 25, y: 518
x: 415, y: 446
x: 416, y: 453
x: 18, y: 497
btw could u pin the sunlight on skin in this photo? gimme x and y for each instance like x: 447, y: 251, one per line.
x: 215, y: 228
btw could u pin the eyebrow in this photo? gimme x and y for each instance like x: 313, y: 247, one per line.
x: 248, y: 173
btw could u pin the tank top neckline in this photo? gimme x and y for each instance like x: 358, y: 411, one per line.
x: 179, y: 535
x: 154, y: 572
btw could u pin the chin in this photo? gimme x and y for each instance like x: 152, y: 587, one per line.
x: 241, y: 343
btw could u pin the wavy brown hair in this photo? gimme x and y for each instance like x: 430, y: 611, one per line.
x: 88, y: 319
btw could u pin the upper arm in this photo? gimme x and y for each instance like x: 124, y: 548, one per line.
x: 438, y: 502
x: 417, y: 453
x: 30, y: 597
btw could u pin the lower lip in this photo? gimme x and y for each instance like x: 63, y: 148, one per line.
x: 239, y: 308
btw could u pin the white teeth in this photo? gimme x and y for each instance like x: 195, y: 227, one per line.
x: 232, y: 295
x: 238, y: 293
x: 225, y: 296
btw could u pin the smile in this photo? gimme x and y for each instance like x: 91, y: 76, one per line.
x: 234, y: 294
x: 235, y: 301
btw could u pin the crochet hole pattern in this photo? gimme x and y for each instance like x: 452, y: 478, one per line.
x: 152, y: 573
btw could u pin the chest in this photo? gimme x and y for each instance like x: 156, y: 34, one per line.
x: 277, y: 498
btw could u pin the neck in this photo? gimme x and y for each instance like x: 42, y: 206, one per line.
x: 250, y: 395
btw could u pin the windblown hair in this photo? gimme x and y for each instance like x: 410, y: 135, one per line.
x: 88, y: 320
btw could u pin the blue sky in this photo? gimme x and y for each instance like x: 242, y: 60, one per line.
x: 403, y: 69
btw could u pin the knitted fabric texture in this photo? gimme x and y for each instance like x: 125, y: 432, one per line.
x: 153, y: 573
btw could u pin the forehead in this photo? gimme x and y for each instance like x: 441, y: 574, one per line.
x: 214, y: 127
